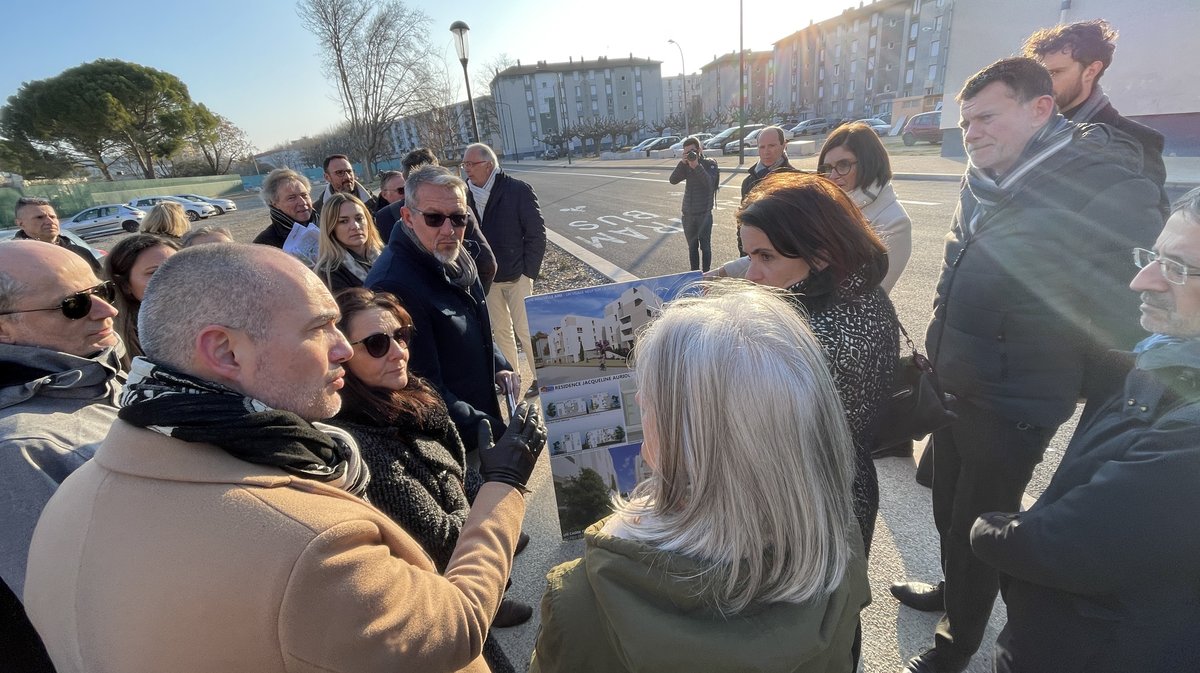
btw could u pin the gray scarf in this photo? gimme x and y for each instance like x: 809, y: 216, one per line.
x: 1095, y: 102
x: 460, y: 272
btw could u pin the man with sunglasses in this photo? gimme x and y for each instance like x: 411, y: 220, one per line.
x: 1101, y: 570
x: 37, y: 221
x: 427, y: 267
x: 59, y: 381
x: 508, y: 213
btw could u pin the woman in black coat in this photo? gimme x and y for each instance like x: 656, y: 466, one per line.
x: 349, y: 244
x: 416, y: 458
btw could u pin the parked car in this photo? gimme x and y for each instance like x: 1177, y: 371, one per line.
x: 194, y: 211
x: 926, y: 126
x: 810, y: 127
x: 71, y: 236
x: 880, y: 127
x: 702, y: 137
x: 642, y: 145
x: 222, y: 205
x: 662, y: 143
x: 751, y: 140
x: 100, y: 221
x: 719, y: 141
x: 550, y: 154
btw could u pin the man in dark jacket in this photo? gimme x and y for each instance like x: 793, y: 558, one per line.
x: 287, y: 197
x: 702, y: 176
x: 38, y: 221
x: 1031, y: 292
x: 772, y: 154
x: 426, y: 267
x: 508, y: 213
x: 1076, y: 56
x: 1101, y: 572
x: 340, y: 179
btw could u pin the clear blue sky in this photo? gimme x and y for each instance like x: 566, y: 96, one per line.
x: 253, y: 62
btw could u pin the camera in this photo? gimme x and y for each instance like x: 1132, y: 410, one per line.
x: 692, y: 155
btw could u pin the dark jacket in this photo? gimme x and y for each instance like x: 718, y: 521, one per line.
x: 626, y: 606
x: 513, y: 226
x: 1150, y: 140
x: 702, y: 183
x: 1040, y: 286
x: 481, y: 252
x: 64, y: 242
x: 1102, y: 569
x: 280, y: 227
x: 452, y: 344
x: 757, y: 172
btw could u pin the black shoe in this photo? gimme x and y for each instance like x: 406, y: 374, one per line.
x: 920, y: 596
x: 511, y: 613
x: 902, y: 450
x: 930, y: 661
x: 522, y: 542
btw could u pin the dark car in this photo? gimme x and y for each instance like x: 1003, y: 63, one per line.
x: 719, y: 141
x: 811, y: 127
x: 926, y: 126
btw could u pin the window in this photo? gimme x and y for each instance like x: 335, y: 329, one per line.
x: 529, y: 96
x: 532, y: 114
x: 856, y: 25
x: 533, y: 129
x: 935, y: 47
x: 932, y: 74
x: 637, y: 71
x: 913, y: 29
x: 837, y: 51
x: 820, y: 92
x: 837, y: 69
x: 916, y: 6
x: 593, y: 90
x: 912, y: 53
x: 872, y: 41
x: 578, y: 93
x: 836, y: 89
x: 576, y: 75
x: 526, y: 80
x: 854, y: 47
x: 870, y: 82
x: 908, y: 76
x: 637, y: 86
x: 870, y: 63
x: 937, y: 24
x: 891, y: 46
x: 853, y: 67
x: 608, y: 89
x: 851, y: 87
x: 875, y: 19
x: 639, y: 101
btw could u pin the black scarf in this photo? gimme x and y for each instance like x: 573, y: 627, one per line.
x: 284, y: 222
x: 184, y: 407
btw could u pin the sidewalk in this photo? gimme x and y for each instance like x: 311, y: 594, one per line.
x: 1182, y: 172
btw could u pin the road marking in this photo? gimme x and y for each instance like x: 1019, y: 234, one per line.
x: 589, y: 175
x: 576, y: 209
x: 605, y: 267
x: 918, y: 203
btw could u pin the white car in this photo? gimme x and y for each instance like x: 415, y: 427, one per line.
x: 195, y: 211
x: 222, y: 205
x: 101, y: 221
x: 699, y: 136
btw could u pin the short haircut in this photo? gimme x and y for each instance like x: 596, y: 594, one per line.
x: 755, y: 486
x: 276, y: 179
x: 488, y: 152
x: 417, y: 158
x: 776, y: 129
x: 166, y: 218
x: 691, y: 140
x: 29, y: 201
x: 808, y: 217
x: 201, y: 232
x: 1027, y: 79
x: 330, y: 252
x: 431, y: 175
x: 384, y: 176
x: 220, y: 283
x: 1087, y: 42
x: 329, y: 159
x: 874, y: 166
x: 1189, y: 205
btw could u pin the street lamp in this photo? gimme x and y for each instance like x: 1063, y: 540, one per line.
x: 687, y: 126
x: 460, y: 28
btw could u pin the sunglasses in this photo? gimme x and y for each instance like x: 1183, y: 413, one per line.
x: 379, y: 343
x: 841, y: 168
x: 435, y: 220
x: 78, y: 305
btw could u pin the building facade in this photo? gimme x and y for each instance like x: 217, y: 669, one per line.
x: 447, y: 130
x: 719, y: 92
x: 680, y: 90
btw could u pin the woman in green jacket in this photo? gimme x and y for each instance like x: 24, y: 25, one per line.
x: 740, y: 552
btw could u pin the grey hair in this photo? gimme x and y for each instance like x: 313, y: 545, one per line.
x: 219, y: 283
x: 431, y: 175
x: 278, y: 178
x: 190, y: 237
x: 1189, y: 205
x: 487, y: 152
x: 758, y: 485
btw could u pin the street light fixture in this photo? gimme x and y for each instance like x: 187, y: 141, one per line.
x: 460, y: 29
x: 687, y: 126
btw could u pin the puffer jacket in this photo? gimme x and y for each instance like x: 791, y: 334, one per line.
x: 700, y: 187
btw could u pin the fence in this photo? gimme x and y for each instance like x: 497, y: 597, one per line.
x: 70, y: 198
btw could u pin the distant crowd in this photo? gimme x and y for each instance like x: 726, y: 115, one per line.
x: 311, y: 453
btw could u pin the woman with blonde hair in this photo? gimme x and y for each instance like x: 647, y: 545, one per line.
x: 167, y: 219
x: 740, y: 551
x: 349, y: 245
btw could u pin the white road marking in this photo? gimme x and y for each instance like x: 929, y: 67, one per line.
x: 616, y: 273
x: 918, y: 203
x: 588, y: 175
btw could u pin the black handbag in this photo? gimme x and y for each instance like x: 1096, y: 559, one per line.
x: 916, y: 404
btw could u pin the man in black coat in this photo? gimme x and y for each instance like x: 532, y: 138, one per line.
x: 38, y: 221
x: 287, y: 197
x: 426, y: 266
x: 508, y: 214
x: 702, y: 178
x: 772, y: 154
x: 1076, y: 56
x: 1031, y: 294
x: 1101, y: 573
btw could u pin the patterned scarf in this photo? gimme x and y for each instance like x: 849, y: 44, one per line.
x: 1095, y: 102
x: 184, y: 407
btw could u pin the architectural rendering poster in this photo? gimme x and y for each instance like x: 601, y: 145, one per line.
x: 581, y: 342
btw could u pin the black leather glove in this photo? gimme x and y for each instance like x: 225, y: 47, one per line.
x: 511, y: 460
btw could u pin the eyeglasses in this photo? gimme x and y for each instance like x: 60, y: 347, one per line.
x: 1174, y: 272
x: 379, y: 343
x: 435, y: 220
x: 842, y: 167
x: 78, y: 305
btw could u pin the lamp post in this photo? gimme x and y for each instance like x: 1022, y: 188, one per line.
x: 460, y: 29
x: 687, y: 126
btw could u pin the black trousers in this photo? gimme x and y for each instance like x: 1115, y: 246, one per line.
x: 981, y: 463
x: 697, y: 229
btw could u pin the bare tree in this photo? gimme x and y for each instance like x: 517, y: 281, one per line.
x: 376, y: 54
x: 219, y: 141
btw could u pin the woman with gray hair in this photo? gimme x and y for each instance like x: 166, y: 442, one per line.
x: 740, y: 552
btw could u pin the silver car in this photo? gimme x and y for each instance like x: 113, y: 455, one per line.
x: 222, y: 205
x: 100, y: 221
x: 194, y: 211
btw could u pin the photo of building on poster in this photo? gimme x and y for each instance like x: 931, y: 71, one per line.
x: 582, y: 340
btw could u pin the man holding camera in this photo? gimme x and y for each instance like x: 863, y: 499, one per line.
x: 702, y: 175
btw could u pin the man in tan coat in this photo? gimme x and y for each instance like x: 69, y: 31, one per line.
x: 219, y: 529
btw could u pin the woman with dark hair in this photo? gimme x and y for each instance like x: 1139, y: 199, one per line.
x: 130, y: 264
x: 803, y: 234
x: 349, y: 244
x: 415, y: 455
x: 855, y: 159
